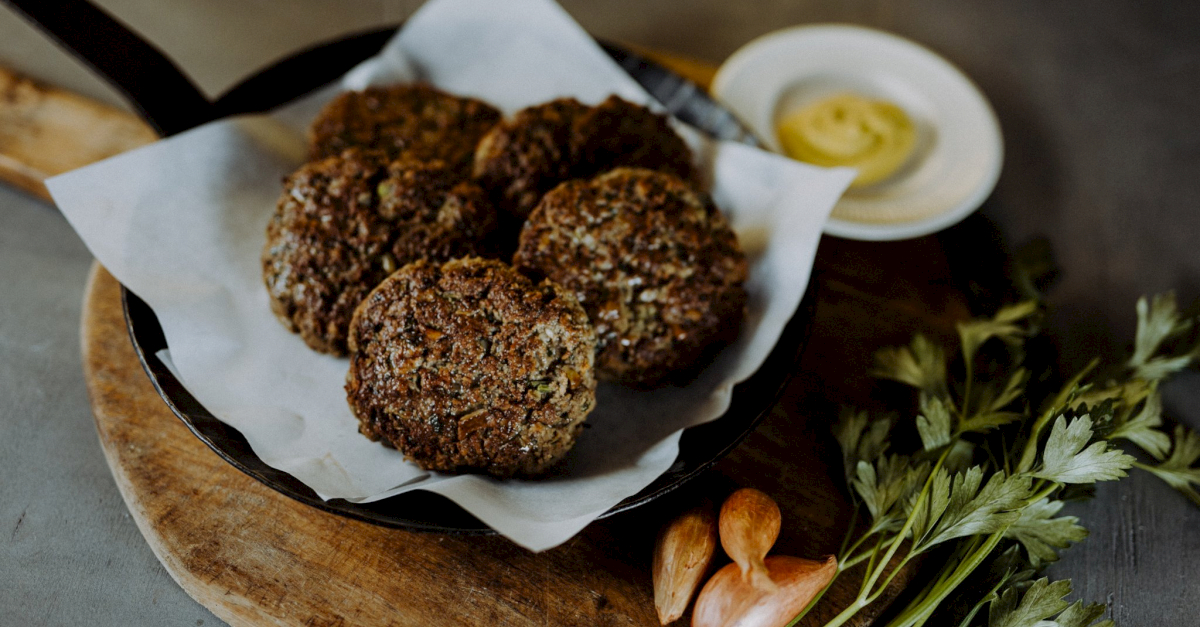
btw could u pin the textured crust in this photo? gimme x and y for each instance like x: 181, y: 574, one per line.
x: 344, y: 223
x: 617, y: 133
x: 415, y: 121
x: 521, y: 159
x: 470, y: 367
x: 653, y: 262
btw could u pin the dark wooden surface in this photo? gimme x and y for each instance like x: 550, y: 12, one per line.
x: 1099, y: 103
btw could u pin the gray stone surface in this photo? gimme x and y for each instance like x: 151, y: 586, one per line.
x: 1099, y: 105
x: 70, y: 554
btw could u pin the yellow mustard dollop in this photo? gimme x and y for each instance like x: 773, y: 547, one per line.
x: 875, y: 136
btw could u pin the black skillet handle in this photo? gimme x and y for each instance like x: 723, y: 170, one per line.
x: 159, y: 90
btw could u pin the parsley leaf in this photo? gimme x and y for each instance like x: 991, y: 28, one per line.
x: 883, y: 485
x: 1158, y: 321
x: 921, y: 364
x: 931, y: 510
x: 1178, y: 470
x: 1065, y: 459
x: 1142, y: 428
x: 860, y: 438
x: 960, y: 457
x: 971, y: 510
x: 993, y: 401
x: 1163, y: 367
x: 1003, y: 325
x: 1041, y: 601
x: 986, y: 421
x: 990, y: 495
x: 933, y: 423
x: 1080, y: 615
x: 1041, y: 535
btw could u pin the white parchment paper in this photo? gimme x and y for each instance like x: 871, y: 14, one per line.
x: 181, y: 223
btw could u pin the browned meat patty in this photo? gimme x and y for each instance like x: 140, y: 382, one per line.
x: 415, y: 121
x: 619, y: 133
x: 344, y: 223
x: 521, y: 159
x: 653, y: 262
x: 470, y: 367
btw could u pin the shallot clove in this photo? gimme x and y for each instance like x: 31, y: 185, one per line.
x: 682, y: 554
x: 749, y: 525
x: 729, y: 600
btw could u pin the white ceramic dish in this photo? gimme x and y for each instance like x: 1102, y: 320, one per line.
x: 959, y: 147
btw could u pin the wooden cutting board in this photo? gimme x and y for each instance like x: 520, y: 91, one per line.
x: 46, y: 131
x: 254, y: 557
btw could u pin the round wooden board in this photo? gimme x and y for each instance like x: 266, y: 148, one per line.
x: 255, y: 557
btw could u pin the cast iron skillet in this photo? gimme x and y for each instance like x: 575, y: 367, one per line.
x: 172, y: 104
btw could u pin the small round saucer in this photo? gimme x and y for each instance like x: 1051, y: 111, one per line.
x: 959, y: 148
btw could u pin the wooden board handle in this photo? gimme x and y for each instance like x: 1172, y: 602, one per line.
x: 45, y: 131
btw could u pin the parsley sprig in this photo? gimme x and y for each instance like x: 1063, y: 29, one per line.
x: 985, y: 486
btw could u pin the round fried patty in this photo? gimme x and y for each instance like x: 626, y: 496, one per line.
x: 619, y: 133
x: 653, y: 262
x: 521, y: 159
x: 470, y: 367
x: 415, y: 120
x: 344, y: 223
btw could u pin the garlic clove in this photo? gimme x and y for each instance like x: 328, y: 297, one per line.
x: 749, y: 525
x: 729, y: 600
x: 682, y: 554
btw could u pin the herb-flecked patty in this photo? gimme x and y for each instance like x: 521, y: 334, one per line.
x: 653, y: 262
x: 344, y: 223
x: 468, y: 366
x: 521, y: 159
x: 411, y: 120
x: 619, y: 133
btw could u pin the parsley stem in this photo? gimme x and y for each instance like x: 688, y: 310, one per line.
x: 893, y: 574
x: 910, y: 520
x: 853, y: 561
x: 875, y: 568
x: 867, y: 579
x: 843, y: 563
x: 984, y: 599
x: 847, y: 613
x: 888, y: 580
x: 849, y: 534
x: 857, y: 543
x: 1043, y: 493
x: 920, y: 610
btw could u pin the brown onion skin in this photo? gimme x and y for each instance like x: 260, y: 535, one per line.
x: 749, y: 523
x: 682, y: 555
x: 729, y: 600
